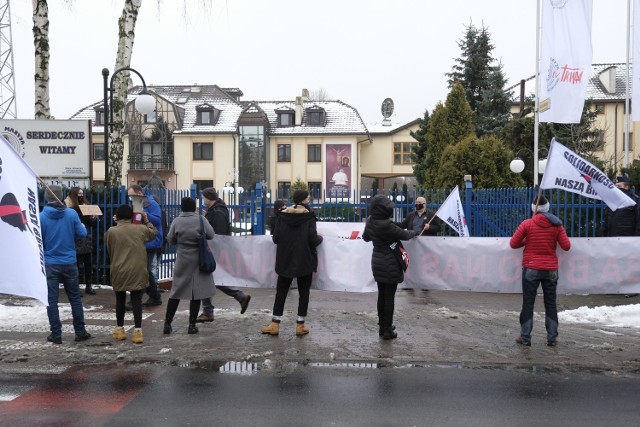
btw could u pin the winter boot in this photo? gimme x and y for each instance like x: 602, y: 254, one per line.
x: 272, y: 328
x: 167, y: 328
x: 381, y: 330
x: 301, y: 329
x: 89, y: 290
x: 119, y: 333
x: 137, y: 336
x: 193, y: 329
x: 389, y: 333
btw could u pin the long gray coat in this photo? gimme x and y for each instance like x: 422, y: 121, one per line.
x: 188, y: 282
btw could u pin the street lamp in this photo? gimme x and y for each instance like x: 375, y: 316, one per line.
x: 144, y: 103
x: 517, y: 164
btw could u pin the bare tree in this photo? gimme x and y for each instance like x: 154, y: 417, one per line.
x: 319, y: 95
x: 41, y: 43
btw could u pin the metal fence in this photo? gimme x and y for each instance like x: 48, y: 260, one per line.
x: 489, y: 213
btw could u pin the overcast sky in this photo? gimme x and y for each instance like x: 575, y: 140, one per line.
x: 360, y: 52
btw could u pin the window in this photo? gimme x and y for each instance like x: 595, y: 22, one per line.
x: 203, y: 183
x: 402, y: 153
x: 98, y: 151
x: 315, y: 118
x: 151, y: 117
x: 204, y: 117
x: 285, y: 119
x: 314, y: 153
x: 284, y: 190
x: 599, y: 108
x: 203, y: 151
x: 315, y: 189
x: 99, y: 117
x: 284, y: 152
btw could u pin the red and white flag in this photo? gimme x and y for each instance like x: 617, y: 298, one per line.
x: 451, y: 212
x: 21, y: 251
x: 565, y: 59
x: 568, y: 171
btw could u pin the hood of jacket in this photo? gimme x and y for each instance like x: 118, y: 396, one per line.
x: 54, y: 210
x: 546, y: 220
x: 296, y: 215
x: 380, y: 207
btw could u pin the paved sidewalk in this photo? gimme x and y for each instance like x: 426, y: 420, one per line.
x: 434, y: 327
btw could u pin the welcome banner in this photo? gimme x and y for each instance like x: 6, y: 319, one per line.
x: 565, y: 59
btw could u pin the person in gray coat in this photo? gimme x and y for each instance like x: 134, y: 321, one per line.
x: 387, y: 272
x: 188, y: 281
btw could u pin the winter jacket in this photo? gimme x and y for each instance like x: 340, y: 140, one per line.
x: 84, y: 245
x: 188, y: 281
x: 540, y: 236
x: 126, y: 247
x: 297, y: 237
x: 154, y: 213
x: 218, y: 216
x: 60, y: 228
x: 434, y: 227
x: 382, y: 231
x: 623, y: 222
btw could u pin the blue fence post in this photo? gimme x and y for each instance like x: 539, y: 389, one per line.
x: 468, y: 195
x: 257, y: 206
x: 193, y: 191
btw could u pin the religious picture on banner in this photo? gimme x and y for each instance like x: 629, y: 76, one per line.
x: 338, y: 170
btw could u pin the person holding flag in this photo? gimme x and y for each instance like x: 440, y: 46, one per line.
x: 624, y: 221
x: 421, y: 220
x: 451, y: 213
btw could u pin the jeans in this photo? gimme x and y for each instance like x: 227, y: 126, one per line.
x: 531, y: 279
x: 386, y: 304
x: 282, y: 288
x: 152, y: 268
x: 67, y: 274
x: 207, y: 304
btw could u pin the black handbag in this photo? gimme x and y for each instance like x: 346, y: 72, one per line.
x: 401, y: 254
x: 206, y: 261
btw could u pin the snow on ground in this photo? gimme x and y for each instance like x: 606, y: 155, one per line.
x: 623, y: 316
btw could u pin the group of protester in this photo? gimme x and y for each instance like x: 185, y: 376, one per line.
x: 133, y: 247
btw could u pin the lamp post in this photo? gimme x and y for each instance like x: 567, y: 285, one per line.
x: 517, y: 164
x: 144, y: 103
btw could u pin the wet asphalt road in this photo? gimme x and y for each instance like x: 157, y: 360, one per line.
x: 316, y: 395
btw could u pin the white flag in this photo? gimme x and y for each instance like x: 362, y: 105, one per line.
x: 451, y: 212
x: 635, y: 79
x: 568, y: 171
x: 21, y: 251
x: 565, y: 59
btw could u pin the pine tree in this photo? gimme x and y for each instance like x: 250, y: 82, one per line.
x: 495, y: 104
x: 419, y: 150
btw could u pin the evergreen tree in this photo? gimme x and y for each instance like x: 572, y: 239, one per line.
x: 419, y: 150
x: 495, y: 104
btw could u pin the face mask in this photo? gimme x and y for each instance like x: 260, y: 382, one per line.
x: 80, y: 198
x: 419, y: 206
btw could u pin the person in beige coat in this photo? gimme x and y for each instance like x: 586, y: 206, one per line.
x: 125, y: 245
x: 188, y: 281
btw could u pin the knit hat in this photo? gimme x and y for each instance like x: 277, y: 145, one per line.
x: 299, y: 196
x: 187, y: 204
x: 623, y: 178
x: 124, y: 212
x: 52, y: 192
x: 543, y: 204
x: 278, y: 204
x: 210, y: 193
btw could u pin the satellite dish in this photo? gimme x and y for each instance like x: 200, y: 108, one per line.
x: 387, y: 108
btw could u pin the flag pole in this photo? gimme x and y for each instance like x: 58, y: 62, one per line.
x: 536, y: 132
x: 625, y: 162
x: 436, y: 213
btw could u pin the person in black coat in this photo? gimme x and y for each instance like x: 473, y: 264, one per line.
x: 387, y: 272
x: 418, y: 220
x: 278, y: 205
x: 297, y: 238
x: 624, y: 221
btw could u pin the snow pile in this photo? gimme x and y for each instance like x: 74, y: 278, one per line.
x: 623, y: 316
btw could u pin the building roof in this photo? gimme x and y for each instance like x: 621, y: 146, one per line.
x: 606, y: 83
x: 384, y: 129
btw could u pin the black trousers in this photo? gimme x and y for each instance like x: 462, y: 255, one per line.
x: 136, y: 303
x: 386, y: 303
x: 87, y: 268
x: 172, y: 307
x: 282, y: 289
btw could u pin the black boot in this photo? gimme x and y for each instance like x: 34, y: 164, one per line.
x: 193, y: 329
x: 89, y: 290
x: 381, y: 330
x: 167, y: 327
x: 389, y: 333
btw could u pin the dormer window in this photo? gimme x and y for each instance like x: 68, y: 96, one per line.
x: 99, y: 117
x: 206, y: 115
x: 315, y: 117
x: 285, y: 119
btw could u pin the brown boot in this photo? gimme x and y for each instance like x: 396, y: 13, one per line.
x: 272, y: 328
x: 301, y: 329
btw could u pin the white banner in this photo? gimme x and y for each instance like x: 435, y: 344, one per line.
x: 451, y: 213
x: 481, y: 264
x: 635, y: 79
x: 565, y: 59
x: 21, y: 252
x: 568, y: 171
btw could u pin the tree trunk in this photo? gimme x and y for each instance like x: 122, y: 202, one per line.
x: 126, y: 34
x: 41, y: 43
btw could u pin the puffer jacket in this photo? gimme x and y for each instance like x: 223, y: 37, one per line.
x: 297, y: 237
x: 540, y: 236
x: 382, y: 232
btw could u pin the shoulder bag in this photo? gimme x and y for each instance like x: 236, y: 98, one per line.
x: 206, y: 261
x: 401, y: 254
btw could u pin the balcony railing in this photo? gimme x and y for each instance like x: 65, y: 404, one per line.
x: 150, y: 162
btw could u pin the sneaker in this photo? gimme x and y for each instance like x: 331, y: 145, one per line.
x: 89, y: 290
x: 119, y: 334
x: 244, y: 303
x: 523, y: 341
x: 54, y: 339
x: 204, y: 318
x: 551, y: 343
x: 82, y: 337
x: 193, y: 329
x: 137, y: 336
x: 151, y: 302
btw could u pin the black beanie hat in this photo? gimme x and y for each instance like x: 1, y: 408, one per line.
x: 124, y: 212
x: 210, y: 193
x: 299, y: 196
x: 188, y: 204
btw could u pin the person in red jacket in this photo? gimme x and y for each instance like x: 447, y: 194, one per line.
x: 540, y: 236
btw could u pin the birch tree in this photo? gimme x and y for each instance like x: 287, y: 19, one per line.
x: 41, y: 43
